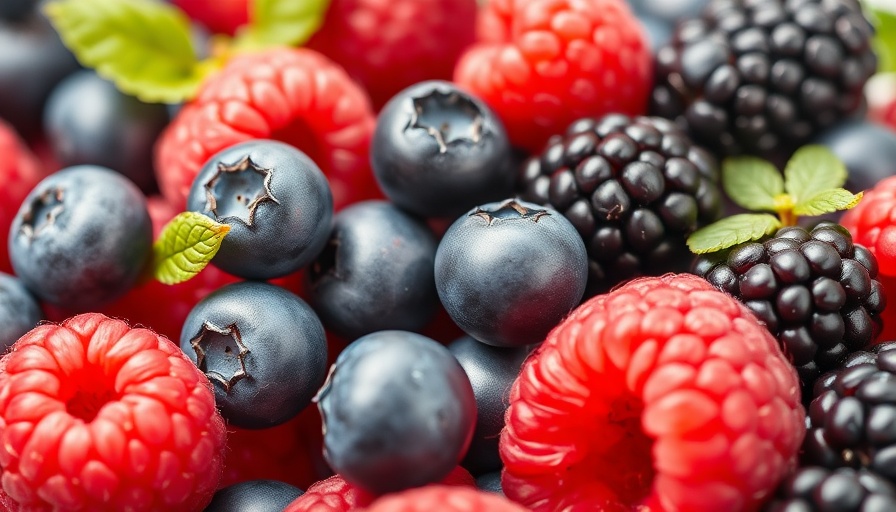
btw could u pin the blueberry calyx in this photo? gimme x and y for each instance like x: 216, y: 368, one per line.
x: 447, y: 117
x: 509, y: 210
x: 42, y: 212
x: 235, y: 191
x: 213, y: 335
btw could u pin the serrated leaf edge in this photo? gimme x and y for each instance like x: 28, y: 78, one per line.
x: 172, y: 265
x: 738, y: 237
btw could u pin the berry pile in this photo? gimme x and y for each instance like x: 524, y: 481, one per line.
x: 447, y: 256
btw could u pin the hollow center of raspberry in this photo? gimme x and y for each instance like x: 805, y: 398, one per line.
x: 91, y: 395
x: 236, y: 190
x: 42, y: 212
x: 448, y: 117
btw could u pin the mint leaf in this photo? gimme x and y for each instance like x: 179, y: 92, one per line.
x: 828, y: 201
x: 813, y: 169
x: 752, y: 183
x: 885, y: 39
x: 143, y: 46
x: 281, y: 23
x: 185, y: 247
x: 731, y: 231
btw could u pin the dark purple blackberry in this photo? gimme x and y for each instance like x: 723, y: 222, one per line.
x: 849, y: 454
x: 764, y: 76
x: 816, y: 291
x: 634, y: 188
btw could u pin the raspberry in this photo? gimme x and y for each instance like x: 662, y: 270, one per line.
x: 219, y: 16
x: 294, y: 95
x: 816, y: 291
x: 20, y: 171
x: 388, y: 45
x: 872, y: 223
x: 95, y: 415
x: 440, y: 498
x: 663, y: 393
x: 542, y: 64
x: 336, y: 495
x: 764, y: 76
x: 634, y: 188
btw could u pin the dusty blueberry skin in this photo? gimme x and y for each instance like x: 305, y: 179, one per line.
x: 440, y: 173
x: 867, y: 149
x: 490, y: 482
x: 507, y: 278
x: 292, y: 214
x: 19, y: 311
x: 89, y: 121
x: 263, y: 349
x: 398, y: 412
x: 375, y: 273
x: 491, y: 371
x: 254, y: 496
x: 94, y: 245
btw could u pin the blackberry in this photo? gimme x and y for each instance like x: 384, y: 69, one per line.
x: 634, y: 188
x: 816, y: 291
x: 764, y: 76
x: 848, y: 460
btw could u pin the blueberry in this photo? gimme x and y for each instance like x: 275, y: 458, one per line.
x: 16, y: 10
x: 868, y: 150
x: 254, y: 496
x: 509, y: 272
x: 275, y: 199
x: 398, y: 412
x: 81, y: 238
x: 89, y: 121
x: 262, y: 347
x: 491, y: 371
x: 19, y: 312
x: 438, y: 151
x: 490, y: 482
x: 375, y: 273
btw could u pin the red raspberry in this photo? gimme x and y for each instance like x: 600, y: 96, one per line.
x: 441, y: 498
x: 95, y: 415
x: 664, y: 393
x: 20, y: 171
x: 336, y: 495
x: 219, y: 16
x: 388, y: 45
x: 542, y: 64
x: 872, y: 223
x: 294, y: 95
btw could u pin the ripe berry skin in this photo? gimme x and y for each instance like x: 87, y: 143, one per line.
x: 439, y: 151
x: 868, y: 150
x: 664, y: 393
x: 440, y: 498
x: 375, y: 273
x: 16, y: 10
x: 254, y: 496
x: 262, y: 347
x: 81, y: 238
x: 89, y: 121
x: 508, y: 272
x: 490, y: 482
x: 491, y: 371
x: 20, y: 172
x: 276, y: 202
x: 398, y: 412
x: 19, y: 312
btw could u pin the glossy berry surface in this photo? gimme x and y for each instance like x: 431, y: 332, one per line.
x: 262, y: 347
x: 81, y: 238
x: 88, y: 121
x: 99, y: 416
x: 634, y: 188
x: 816, y: 488
x: 254, y: 496
x: 439, y: 151
x: 378, y: 407
x: 19, y: 311
x: 375, y: 272
x: 439, y: 498
x: 870, y: 224
x: 491, y: 371
x: 816, y: 291
x: 20, y: 171
x: 275, y: 200
x: 664, y: 394
x: 868, y: 149
x: 508, y: 272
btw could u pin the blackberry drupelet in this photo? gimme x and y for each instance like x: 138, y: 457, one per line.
x: 634, y: 188
x: 816, y: 291
x: 849, y: 454
x: 764, y: 76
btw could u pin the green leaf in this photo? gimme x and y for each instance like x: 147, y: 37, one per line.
x: 752, y: 183
x: 731, y: 231
x: 143, y: 46
x: 885, y: 39
x: 185, y: 247
x: 811, y: 170
x: 828, y: 201
x: 281, y: 23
